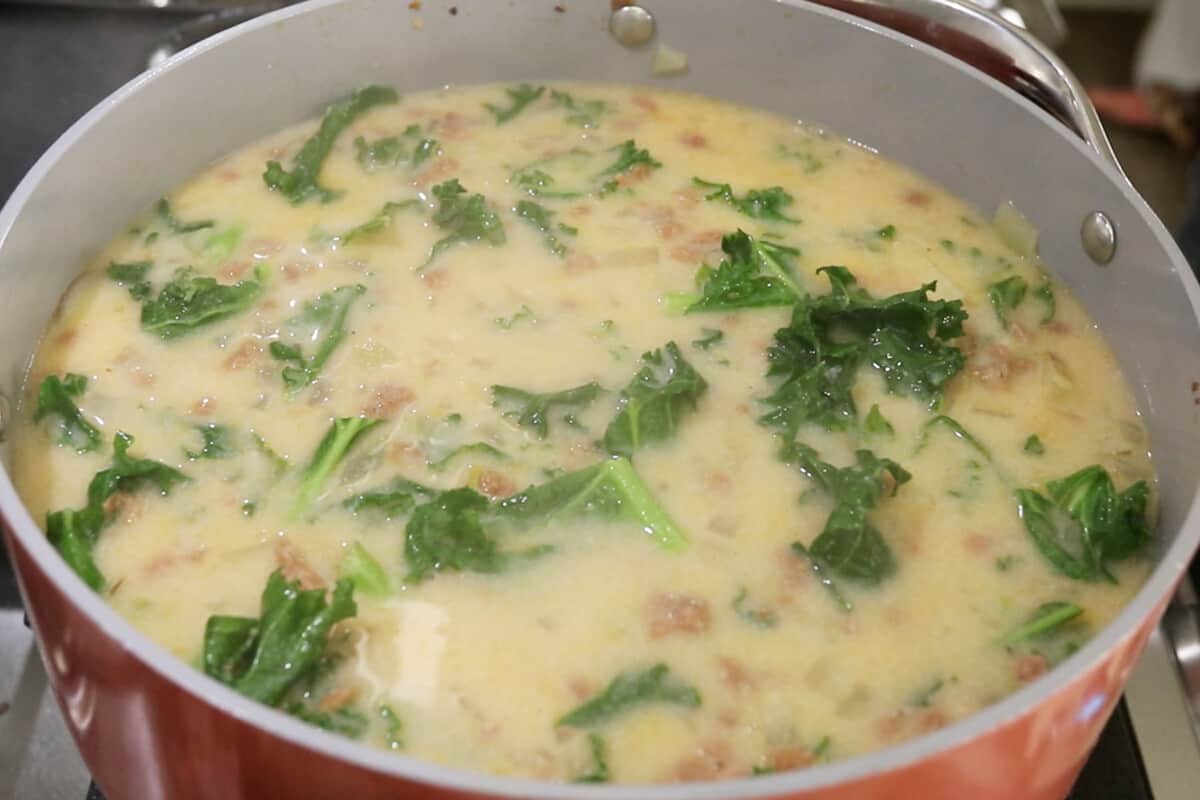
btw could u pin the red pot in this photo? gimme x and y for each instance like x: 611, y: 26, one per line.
x: 150, y: 727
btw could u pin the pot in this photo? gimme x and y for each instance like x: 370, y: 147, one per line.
x: 150, y: 726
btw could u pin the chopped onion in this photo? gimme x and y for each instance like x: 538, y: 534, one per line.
x: 1016, y: 231
x: 669, y: 61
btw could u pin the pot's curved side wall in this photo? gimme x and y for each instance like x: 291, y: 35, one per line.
x: 146, y: 738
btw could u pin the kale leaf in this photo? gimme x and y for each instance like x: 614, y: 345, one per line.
x: 74, y: 531
x: 190, y: 301
x: 754, y: 274
x: 610, y: 490
x: 263, y: 658
x: 876, y: 423
x: 56, y: 398
x: 344, y: 721
x: 132, y: 275
x: 301, y: 182
x: 365, y: 572
x: 1045, y: 619
x: 629, y: 157
x: 817, y: 356
x: 584, y: 113
x: 629, y: 690
x: 1045, y: 294
x: 518, y: 98
x: 176, y: 226
x: 381, y: 221
x: 394, y: 499
x: 440, y: 463
x: 322, y: 320
x: 756, y: 203
x: 1082, y: 522
x: 649, y: 409
x: 333, y: 447
x: 447, y: 533
x: 1006, y: 295
x: 598, y: 772
x: 410, y: 147
x: 218, y: 442
x: 709, y: 337
x: 543, y: 220
x: 1033, y: 445
x: 466, y: 218
x: 849, y: 545
x: 532, y: 410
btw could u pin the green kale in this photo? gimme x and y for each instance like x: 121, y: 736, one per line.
x: 365, y: 572
x: 447, y: 533
x: 439, y: 464
x: 821, y: 573
x: 609, y: 490
x: 543, y: 220
x: 758, y: 617
x: 518, y: 98
x: 1082, y: 523
x: 952, y: 425
x: 754, y: 274
x: 393, y: 728
x: 849, y: 545
x: 322, y: 320
x: 539, y: 183
x: 756, y: 203
x: 923, y: 697
x: 410, y: 147
x: 629, y: 690
x: 1045, y: 295
x: 132, y: 275
x: 220, y: 245
x: 394, y: 499
x: 56, y: 398
x: 175, y: 226
x: 190, y: 301
x: 650, y: 408
x: 1044, y: 620
x: 876, y: 424
x: 1033, y: 445
x: 629, y: 157
x: 531, y: 410
x: 887, y: 233
x: 74, y: 531
x: 262, y: 658
x: 218, y: 442
x: 1006, y: 295
x: 301, y: 182
x: 333, y: 447
x: 584, y: 113
x: 381, y: 221
x: 344, y: 721
x: 507, y: 323
x: 817, y: 356
x: 598, y: 772
x: 709, y: 337
x: 465, y: 218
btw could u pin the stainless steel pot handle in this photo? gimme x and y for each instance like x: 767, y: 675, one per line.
x: 994, y: 46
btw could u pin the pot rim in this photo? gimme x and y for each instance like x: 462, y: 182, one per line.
x: 1172, y: 563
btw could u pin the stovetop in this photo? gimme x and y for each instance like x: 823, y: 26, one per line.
x: 57, y: 63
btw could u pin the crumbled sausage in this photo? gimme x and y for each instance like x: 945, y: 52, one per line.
x: 496, y: 484
x: 294, y: 567
x: 677, y: 613
x: 1030, y: 667
x: 711, y: 761
x: 386, y: 401
x: 789, y: 758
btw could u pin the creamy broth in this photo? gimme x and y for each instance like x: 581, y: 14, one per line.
x: 767, y: 667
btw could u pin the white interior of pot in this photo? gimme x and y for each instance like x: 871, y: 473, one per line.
x: 913, y: 105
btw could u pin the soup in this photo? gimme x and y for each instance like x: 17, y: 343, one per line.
x: 588, y: 433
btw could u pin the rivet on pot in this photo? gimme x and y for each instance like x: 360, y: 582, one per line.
x: 632, y: 26
x: 1099, y: 237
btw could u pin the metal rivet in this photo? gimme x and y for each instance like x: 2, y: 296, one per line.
x: 1099, y: 237
x: 632, y: 26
